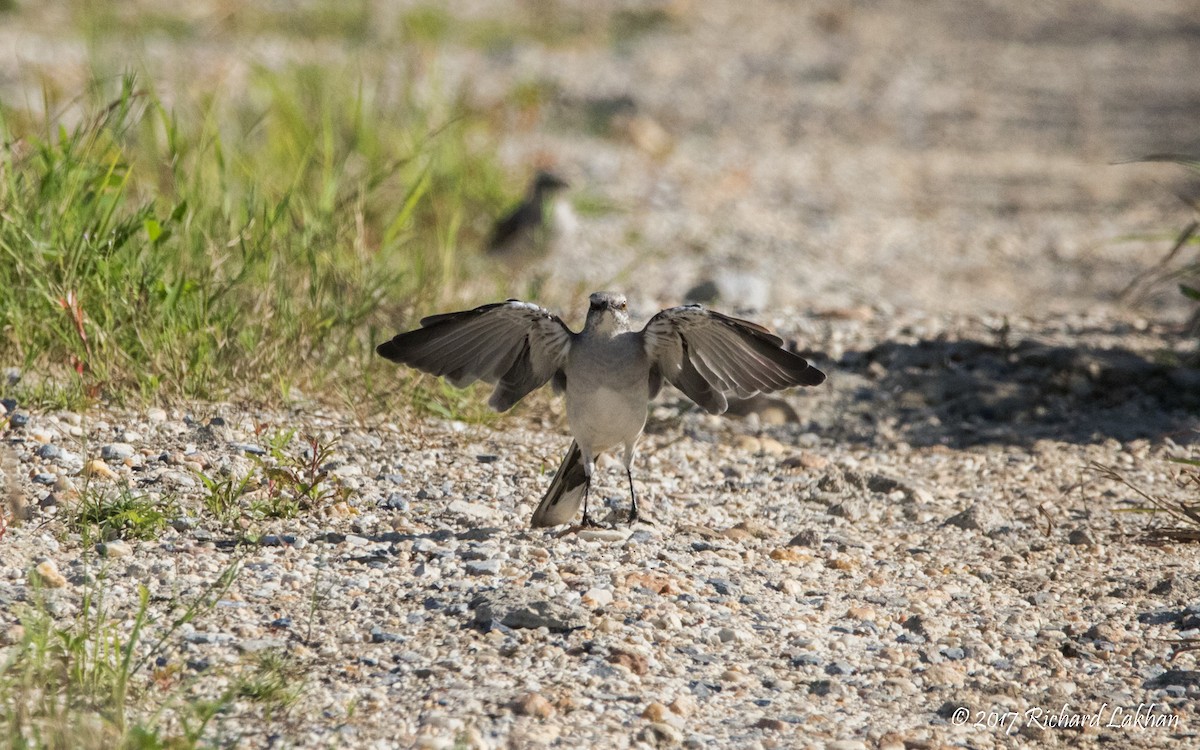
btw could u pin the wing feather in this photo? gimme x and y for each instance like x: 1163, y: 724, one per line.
x: 713, y: 357
x: 514, y: 345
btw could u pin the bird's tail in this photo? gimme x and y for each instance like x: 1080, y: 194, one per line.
x: 561, y: 502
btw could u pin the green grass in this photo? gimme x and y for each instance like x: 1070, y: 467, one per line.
x: 241, y: 246
x: 98, y: 682
x: 123, y: 514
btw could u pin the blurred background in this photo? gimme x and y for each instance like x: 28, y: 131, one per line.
x: 836, y: 157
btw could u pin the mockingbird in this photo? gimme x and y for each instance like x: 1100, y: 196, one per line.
x: 608, y: 372
x: 523, y: 231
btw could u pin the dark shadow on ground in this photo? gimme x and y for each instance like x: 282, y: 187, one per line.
x: 966, y: 392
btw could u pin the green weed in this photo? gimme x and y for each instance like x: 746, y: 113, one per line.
x: 126, y: 514
x: 88, y: 683
x: 254, y: 245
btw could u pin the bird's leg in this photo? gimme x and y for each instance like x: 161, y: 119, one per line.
x: 633, y: 514
x: 588, y: 523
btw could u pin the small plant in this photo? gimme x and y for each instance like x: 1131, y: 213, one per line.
x: 223, y: 498
x: 301, y: 483
x: 273, y: 682
x: 125, y: 515
x: 86, y: 684
x: 1185, y: 514
x: 1185, y: 274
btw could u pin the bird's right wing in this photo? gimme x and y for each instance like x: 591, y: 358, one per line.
x: 712, y: 357
x: 516, y: 345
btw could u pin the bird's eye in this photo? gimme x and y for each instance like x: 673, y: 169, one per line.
x: 621, y: 306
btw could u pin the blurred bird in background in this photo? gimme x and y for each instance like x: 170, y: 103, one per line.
x: 525, y: 234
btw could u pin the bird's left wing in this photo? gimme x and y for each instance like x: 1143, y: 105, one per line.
x: 712, y: 357
x: 516, y: 345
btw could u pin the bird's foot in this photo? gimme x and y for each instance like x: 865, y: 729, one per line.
x: 635, y: 517
x: 588, y: 523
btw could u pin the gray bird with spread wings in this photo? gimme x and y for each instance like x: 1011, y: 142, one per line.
x: 608, y: 372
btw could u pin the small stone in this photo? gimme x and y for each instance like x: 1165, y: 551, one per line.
x: 49, y: 451
x: 116, y: 451
x: 519, y: 609
x: 976, y: 518
x: 1082, y: 537
x: 944, y: 675
x: 255, y: 645
x: 635, y: 663
x: 47, y: 572
x: 45, y: 478
x: 596, y: 598
x: 655, y: 712
x: 379, y: 635
x: 652, y: 580
x: 774, y: 725
x: 861, y: 613
x: 840, y: 668
x: 661, y: 733
x: 97, y: 468
x: 1105, y: 632
x: 789, y: 554
x: 483, y: 567
x: 806, y: 538
x: 472, y: 510
x: 747, y: 443
x: 725, y: 635
x: 114, y: 549
x: 604, y: 535
x: 892, y: 741
x: 737, y: 535
x: 684, y: 705
x: 156, y: 415
x: 533, y: 704
x: 756, y: 529
x: 812, y: 461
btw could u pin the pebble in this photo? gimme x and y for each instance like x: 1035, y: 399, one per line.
x: 660, y: 733
x: 97, y: 468
x: 47, y: 572
x: 597, y: 598
x: 483, y: 567
x: 116, y: 451
x: 523, y: 609
x: 533, y: 704
x: 472, y: 510
x: 114, y: 549
x: 976, y: 518
x: 655, y: 711
x: 604, y: 535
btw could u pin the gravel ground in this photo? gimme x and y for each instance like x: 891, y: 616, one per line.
x: 852, y: 566
x: 845, y: 568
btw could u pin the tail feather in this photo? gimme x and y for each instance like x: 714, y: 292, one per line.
x: 562, y: 500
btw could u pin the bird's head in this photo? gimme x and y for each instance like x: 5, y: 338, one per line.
x: 548, y: 183
x: 607, y: 313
